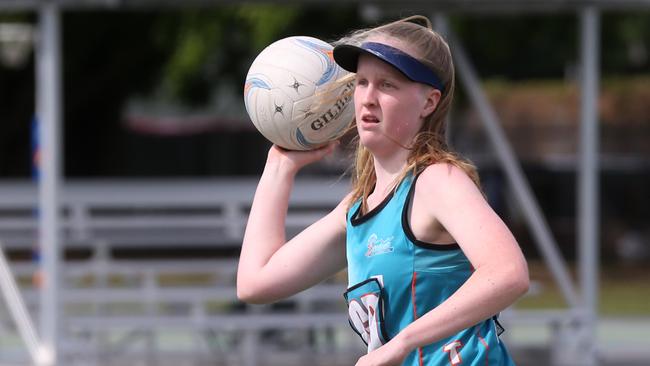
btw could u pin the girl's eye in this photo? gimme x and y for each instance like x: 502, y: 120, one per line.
x: 362, y: 82
x: 387, y: 84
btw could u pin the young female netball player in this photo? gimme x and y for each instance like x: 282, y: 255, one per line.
x: 429, y: 262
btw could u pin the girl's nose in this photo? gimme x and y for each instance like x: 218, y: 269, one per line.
x: 369, y: 96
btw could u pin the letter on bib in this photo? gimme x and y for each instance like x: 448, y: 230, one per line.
x: 365, y: 312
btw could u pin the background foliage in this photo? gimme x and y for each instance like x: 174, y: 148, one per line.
x: 189, y: 57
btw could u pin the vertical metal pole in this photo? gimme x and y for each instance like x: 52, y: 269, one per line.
x: 48, y: 103
x: 588, y: 201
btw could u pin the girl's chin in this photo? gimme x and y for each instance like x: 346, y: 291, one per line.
x: 370, y: 140
x: 378, y: 144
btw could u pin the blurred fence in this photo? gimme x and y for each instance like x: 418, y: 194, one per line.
x: 108, y: 214
x: 120, y: 310
x: 184, y: 312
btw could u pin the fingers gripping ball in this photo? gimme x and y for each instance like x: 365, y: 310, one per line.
x: 297, y: 96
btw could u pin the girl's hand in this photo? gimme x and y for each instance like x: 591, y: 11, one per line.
x: 296, y: 160
x: 390, y: 354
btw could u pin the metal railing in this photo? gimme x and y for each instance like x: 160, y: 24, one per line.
x: 110, y: 305
x: 102, y: 297
x: 175, y: 212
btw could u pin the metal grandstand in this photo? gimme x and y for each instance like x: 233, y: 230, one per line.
x: 573, y: 328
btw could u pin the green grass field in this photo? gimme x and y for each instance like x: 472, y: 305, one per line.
x: 624, y: 290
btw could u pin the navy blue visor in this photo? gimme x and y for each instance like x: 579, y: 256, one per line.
x: 347, y: 56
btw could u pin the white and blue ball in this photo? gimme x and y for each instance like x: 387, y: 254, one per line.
x: 297, y: 96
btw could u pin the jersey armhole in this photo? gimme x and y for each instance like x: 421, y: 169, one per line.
x: 406, y: 225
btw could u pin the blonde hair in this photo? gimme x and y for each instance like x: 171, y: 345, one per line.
x: 430, y: 144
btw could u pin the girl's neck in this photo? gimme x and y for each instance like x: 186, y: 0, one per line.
x: 387, y: 170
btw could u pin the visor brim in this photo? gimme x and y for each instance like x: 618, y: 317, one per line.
x: 347, y: 56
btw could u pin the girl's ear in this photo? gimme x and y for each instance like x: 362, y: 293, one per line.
x: 431, y: 102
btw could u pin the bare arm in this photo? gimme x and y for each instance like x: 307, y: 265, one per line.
x: 270, y: 268
x: 500, y: 276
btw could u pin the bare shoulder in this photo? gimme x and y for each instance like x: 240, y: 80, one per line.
x: 442, y: 177
x: 339, y: 214
x: 444, y: 187
x: 344, y: 203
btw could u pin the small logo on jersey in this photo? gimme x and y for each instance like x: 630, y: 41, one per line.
x: 378, y: 246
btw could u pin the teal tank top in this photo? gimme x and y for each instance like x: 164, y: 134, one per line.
x: 393, y: 279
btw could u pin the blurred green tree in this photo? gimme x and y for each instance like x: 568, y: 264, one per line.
x: 182, y: 55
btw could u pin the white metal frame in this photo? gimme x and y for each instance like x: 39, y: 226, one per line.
x: 49, y: 111
x: 19, y: 311
x: 588, y: 183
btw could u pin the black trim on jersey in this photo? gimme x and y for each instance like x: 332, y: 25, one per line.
x: 356, y: 286
x: 380, y: 310
x: 406, y: 226
x: 356, y: 220
x: 500, y: 329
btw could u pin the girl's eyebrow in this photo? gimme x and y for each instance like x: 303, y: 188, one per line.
x: 385, y: 75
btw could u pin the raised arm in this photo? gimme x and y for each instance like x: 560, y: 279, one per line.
x: 270, y: 268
